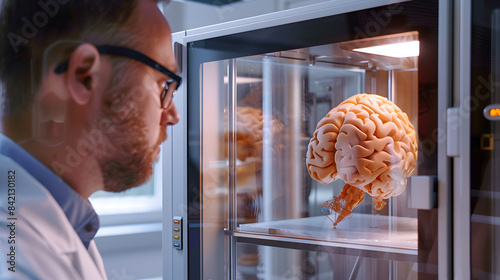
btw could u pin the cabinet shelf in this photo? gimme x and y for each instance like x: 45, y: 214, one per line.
x: 362, y: 234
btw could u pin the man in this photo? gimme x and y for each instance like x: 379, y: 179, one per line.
x: 88, y: 89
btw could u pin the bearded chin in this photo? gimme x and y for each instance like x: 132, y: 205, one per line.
x: 125, y: 159
x: 129, y: 161
x: 123, y: 172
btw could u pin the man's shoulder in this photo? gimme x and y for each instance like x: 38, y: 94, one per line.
x: 30, y: 201
x: 31, y: 222
x: 18, y: 181
x: 6, y: 162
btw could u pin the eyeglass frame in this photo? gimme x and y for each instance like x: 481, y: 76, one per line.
x: 170, y: 85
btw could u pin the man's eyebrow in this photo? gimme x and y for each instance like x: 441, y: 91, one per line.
x: 158, y: 76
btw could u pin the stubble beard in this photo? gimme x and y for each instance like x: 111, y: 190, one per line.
x: 126, y: 159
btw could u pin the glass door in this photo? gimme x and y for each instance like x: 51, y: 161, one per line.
x: 485, y: 141
x: 269, y: 183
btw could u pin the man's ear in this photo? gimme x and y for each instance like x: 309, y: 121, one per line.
x: 82, y: 78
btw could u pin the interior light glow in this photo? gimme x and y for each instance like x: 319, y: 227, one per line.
x: 405, y: 49
x: 492, y: 112
x: 495, y: 112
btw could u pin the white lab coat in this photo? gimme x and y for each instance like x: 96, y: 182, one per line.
x: 46, y: 245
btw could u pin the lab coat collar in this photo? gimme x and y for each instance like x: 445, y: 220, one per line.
x: 79, y: 211
x: 41, y: 220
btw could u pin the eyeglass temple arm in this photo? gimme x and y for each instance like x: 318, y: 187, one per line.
x: 129, y: 53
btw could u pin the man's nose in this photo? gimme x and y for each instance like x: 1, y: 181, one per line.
x: 170, y: 116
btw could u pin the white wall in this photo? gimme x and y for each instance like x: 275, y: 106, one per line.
x: 189, y: 15
x: 184, y: 15
x: 131, y: 251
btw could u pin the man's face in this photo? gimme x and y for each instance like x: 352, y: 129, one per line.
x: 134, y: 123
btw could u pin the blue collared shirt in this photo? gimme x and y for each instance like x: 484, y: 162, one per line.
x: 79, y: 211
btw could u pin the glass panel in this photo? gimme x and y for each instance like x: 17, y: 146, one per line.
x: 485, y: 141
x: 277, y: 116
x: 214, y: 179
x: 266, y: 109
x: 257, y: 262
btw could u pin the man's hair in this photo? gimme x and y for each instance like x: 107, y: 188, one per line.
x: 28, y: 27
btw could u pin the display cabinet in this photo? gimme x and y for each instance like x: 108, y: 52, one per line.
x: 258, y: 114
x: 254, y: 94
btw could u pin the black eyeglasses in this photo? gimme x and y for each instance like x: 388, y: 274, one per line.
x: 171, y: 85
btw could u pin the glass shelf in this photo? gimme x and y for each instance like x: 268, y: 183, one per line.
x: 362, y: 234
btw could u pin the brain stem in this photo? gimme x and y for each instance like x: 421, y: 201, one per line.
x: 348, y: 199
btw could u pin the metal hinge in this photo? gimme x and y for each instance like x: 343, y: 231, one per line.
x: 178, y: 56
x: 453, y: 124
x: 422, y: 192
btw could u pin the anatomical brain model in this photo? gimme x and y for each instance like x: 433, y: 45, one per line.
x: 369, y: 143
